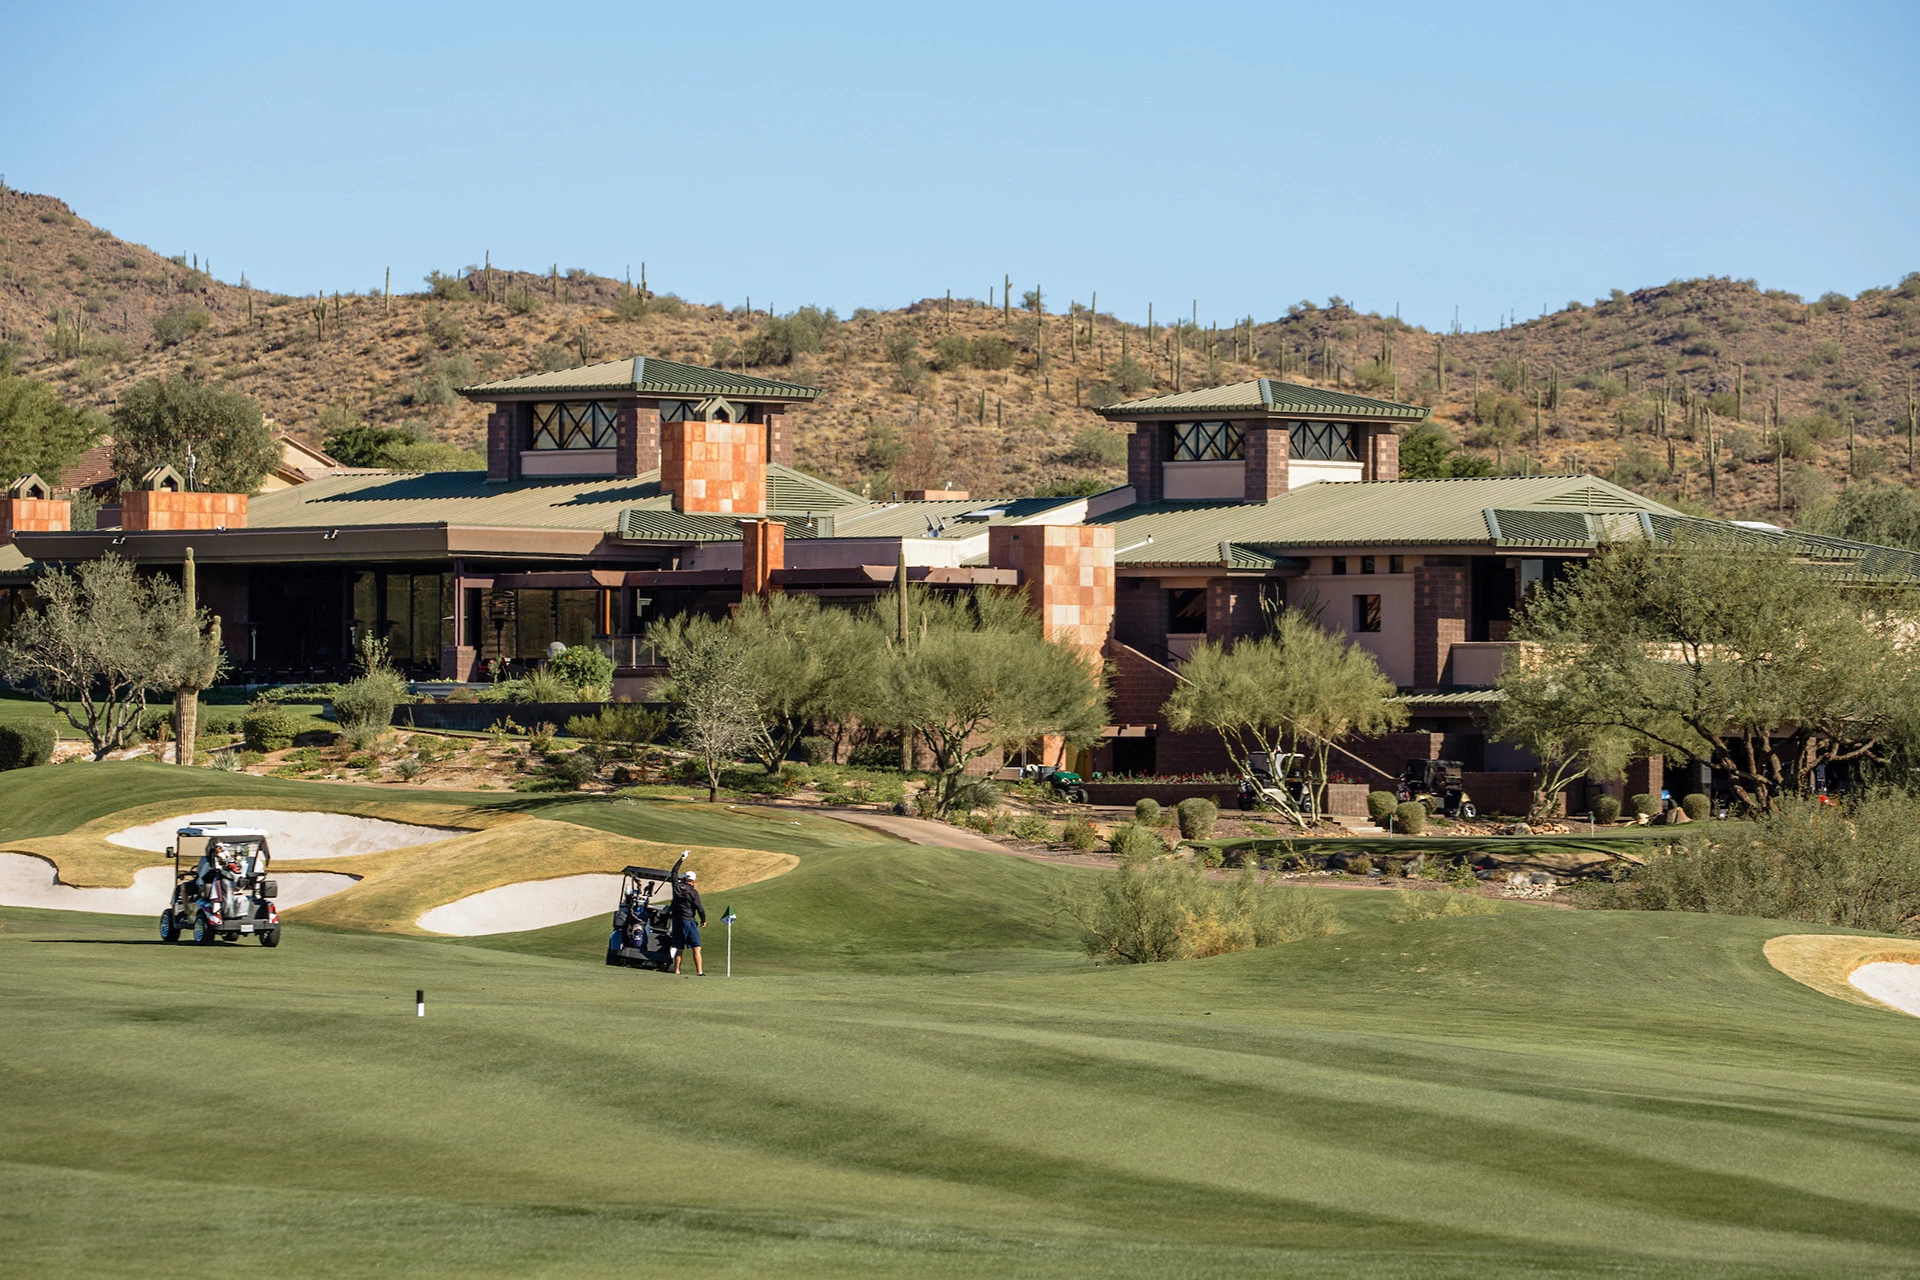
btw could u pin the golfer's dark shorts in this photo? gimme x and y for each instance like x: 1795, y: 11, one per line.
x: 688, y: 932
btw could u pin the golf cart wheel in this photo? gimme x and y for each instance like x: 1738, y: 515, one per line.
x: 270, y: 937
x: 1077, y: 795
x: 1467, y: 812
x: 169, y: 927
x: 613, y: 958
x: 204, y: 932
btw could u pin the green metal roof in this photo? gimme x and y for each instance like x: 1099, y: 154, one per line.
x: 644, y: 375
x: 1331, y: 514
x: 790, y: 490
x: 657, y: 525
x: 469, y: 498
x: 14, y: 562
x: 1267, y: 396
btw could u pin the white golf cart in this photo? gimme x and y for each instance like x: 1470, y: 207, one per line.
x: 220, y: 885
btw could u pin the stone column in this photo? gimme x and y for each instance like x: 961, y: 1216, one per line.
x: 637, y: 441
x: 763, y: 552
x: 503, y: 446
x: 1143, y: 462
x: 1380, y: 459
x: 780, y: 439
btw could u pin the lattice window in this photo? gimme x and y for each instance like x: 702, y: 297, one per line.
x: 1320, y: 442
x: 678, y: 410
x: 587, y: 425
x: 1208, y: 441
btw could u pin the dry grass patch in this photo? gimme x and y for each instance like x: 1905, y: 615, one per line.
x: 1823, y: 961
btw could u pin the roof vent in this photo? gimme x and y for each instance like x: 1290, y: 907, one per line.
x: 984, y: 514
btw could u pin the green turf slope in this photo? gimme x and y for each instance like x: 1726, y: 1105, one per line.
x: 915, y: 1076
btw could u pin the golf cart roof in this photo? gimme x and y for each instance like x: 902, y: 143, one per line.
x: 214, y: 828
x: 649, y: 873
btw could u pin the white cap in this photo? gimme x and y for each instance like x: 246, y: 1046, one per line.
x: 692, y: 876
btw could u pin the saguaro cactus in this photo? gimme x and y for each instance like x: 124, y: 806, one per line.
x: 198, y: 661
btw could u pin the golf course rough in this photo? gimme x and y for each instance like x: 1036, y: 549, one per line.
x: 916, y: 1072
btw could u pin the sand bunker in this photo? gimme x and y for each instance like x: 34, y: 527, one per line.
x: 531, y: 904
x: 1890, y: 982
x: 27, y: 881
x: 293, y: 836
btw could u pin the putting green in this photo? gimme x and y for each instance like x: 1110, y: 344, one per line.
x: 916, y: 1074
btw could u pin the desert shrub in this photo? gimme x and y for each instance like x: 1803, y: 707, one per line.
x: 573, y: 767
x: 463, y: 695
x: 409, y: 769
x: 975, y: 793
x: 619, y: 722
x: 1196, y: 815
x: 1696, y: 806
x: 815, y: 749
x: 1606, y: 808
x: 1131, y: 840
x: 792, y: 777
x: 951, y: 352
x: 368, y: 703
x: 1158, y: 909
x: 247, y: 757
x: 875, y: 755
x: 1360, y: 866
x: 1098, y: 447
x: 1033, y: 828
x: 1410, y: 818
x: 1644, y: 805
x: 1380, y: 804
x: 1434, y: 904
x: 1077, y: 833
x: 1857, y: 867
x: 268, y: 726
x: 1146, y: 812
x: 585, y: 669
x: 24, y: 745
x: 179, y: 324
x: 540, y: 738
x: 992, y: 352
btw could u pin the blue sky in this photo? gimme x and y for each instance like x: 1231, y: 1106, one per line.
x: 1426, y: 156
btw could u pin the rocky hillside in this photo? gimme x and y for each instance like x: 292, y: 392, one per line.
x: 1671, y: 389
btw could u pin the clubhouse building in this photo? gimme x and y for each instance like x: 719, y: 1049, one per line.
x: 624, y: 492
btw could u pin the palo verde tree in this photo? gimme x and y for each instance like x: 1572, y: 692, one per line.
x: 801, y: 663
x: 215, y: 439
x: 1298, y: 689
x: 975, y: 674
x: 1723, y: 648
x: 103, y: 638
x: 714, y: 708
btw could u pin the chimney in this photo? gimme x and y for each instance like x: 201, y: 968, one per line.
x: 714, y: 462
x: 763, y: 553
x: 30, y: 507
x: 161, y: 501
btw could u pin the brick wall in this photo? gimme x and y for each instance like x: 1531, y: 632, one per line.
x: 636, y: 449
x: 1381, y: 460
x: 780, y: 439
x: 1439, y: 616
x: 1140, y: 613
x: 32, y: 515
x: 1143, y: 463
x: 1233, y: 610
x: 1508, y: 793
x: 1267, y: 453
x: 715, y: 467
x: 142, y: 509
x: 1646, y: 777
x: 1141, y: 686
x: 1067, y: 572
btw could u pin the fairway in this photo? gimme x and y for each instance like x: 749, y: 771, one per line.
x: 916, y: 1072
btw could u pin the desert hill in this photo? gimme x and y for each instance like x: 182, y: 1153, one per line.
x: 1670, y: 389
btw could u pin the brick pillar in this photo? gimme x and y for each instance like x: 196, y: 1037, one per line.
x: 1143, y: 462
x: 33, y: 515
x: 503, y: 446
x: 718, y: 467
x: 1066, y: 571
x: 1268, y: 449
x: 637, y: 443
x: 780, y: 439
x: 1381, y: 458
x: 1233, y: 610
x: 763, y: 551
x: 1439, y: 617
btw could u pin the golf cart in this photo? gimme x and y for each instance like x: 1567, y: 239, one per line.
x: 225, y: 893
x: 1066, y: 784
x: 642, y: 935
x: 1438, y: 785
x: 1281, y: 783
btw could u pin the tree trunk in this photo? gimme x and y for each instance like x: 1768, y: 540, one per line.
x: 186, y: 724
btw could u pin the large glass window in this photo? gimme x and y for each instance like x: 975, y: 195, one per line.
x: 410, y: 611
x: 1208, y: 441
x: 1320, y: 442
x: 1187, y: 611
x: 574, y: 426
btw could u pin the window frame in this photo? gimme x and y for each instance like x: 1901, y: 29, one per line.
x: 1213, y: 440
x: 1367, y: 614
x: 1321, y: 442
x: 572, y: 424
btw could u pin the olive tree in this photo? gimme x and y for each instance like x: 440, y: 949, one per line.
x: 214, y: 438
x: 1722, y: 648
x: 102, y: 639
x: 1298, y: 689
